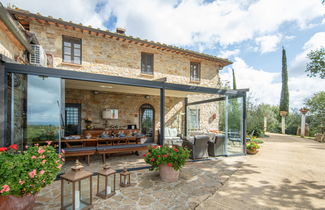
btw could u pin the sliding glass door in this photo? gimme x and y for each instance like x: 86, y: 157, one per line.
x: 35, y: 109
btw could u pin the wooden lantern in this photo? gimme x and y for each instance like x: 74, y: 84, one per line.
x: 78, y: 193
x: 125, y: 178
x: 108, y: 176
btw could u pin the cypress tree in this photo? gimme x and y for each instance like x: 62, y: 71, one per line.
x: 233, y: 80
x: 284, y: 101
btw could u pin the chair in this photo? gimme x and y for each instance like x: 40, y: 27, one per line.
x: 216, y: 145
x: 198, y: 145
x: 172, y: 137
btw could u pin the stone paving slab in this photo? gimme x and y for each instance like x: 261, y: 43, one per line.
x: 198, y: 181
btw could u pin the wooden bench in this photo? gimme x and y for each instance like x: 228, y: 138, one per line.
x: 80, y: 151
x: 121, y: 148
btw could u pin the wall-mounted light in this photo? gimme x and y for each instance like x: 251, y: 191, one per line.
x: 146, y: 97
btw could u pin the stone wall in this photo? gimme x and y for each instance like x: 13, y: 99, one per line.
x: 9, y: 45
x: 128, y: 105
x: 115, y: 57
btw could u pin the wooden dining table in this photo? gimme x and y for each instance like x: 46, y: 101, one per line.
x: 84, y: 142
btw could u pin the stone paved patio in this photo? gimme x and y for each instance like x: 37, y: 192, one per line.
x: 198, y: 181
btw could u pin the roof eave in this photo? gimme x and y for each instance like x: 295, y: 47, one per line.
x: 224, y: 62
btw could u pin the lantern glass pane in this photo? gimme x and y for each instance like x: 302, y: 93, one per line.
x: 84, y: 187
x: 67, y: 194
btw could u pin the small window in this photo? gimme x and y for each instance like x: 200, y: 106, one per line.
x: 194, y: 119
x: 71, y: 52
x: 146, y: 63
x: 72, y: 119
x: 195, y: 71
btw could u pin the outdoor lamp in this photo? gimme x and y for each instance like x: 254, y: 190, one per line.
x: 76, y: 188
x: 106, y: 182
x: 125, y: 178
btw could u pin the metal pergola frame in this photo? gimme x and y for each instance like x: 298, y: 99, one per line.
x: 6, y: 67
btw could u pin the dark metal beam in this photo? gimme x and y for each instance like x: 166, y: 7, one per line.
x: 244, y: 123
x: 68, y: 74
x: 2, y: 105
x: 162, y: 116
x: 185, y: 116
x: 214, y: 100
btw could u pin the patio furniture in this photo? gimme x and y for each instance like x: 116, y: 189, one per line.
x: 121, y: 148
x: 198, y: 146
x: 172, y: 137
x: 216, y: 145
x: 80, y: 151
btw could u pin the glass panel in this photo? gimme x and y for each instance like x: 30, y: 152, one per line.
x: 72, y: 119
x: 76, y: 52
x: 35, y: 109
x: 67, y: 58
x: 17, y: 88
x: 147, y: 121
x: 43, y: 108
x: 76, y: 60
x: 67, y: 44
x: 235, y: 126
x: 76, y: 46
x: 84, y: 188
x: 67, y: 50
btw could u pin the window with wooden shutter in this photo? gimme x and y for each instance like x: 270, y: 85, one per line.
x: 146, y: 63
x: 195, y: 69
x: 71, y: 50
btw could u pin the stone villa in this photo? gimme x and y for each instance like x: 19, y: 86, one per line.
x: 57, y: 74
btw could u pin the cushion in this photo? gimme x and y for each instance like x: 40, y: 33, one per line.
x: 123, y: 146
x: 173, y: 132
x: 79, y: 149
x: 167, y: 132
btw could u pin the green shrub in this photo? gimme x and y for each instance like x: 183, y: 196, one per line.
x: 252, y: 146
x: 27, y: 172
x: 173, y: 156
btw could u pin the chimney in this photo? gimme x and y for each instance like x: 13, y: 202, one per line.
x: 120, y: 31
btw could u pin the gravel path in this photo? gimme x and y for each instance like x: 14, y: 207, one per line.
x: 288, y: 173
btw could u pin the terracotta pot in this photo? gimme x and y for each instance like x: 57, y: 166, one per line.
x: 251, y: 152
x: 168, y: 174
x: 12, y: 202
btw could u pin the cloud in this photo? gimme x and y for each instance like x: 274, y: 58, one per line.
x: 268, y: 43
x: 78, y: 11
x: 299, y: 63
x: 266, y: 86
x: 229, y: 53
x: 194, y: 23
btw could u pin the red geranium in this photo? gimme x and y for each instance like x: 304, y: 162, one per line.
x: 170, y: 165
x: 2, y: 149
x: 144, y: 155
x: 14, y: 146
x: 176, y: 150
x: 152, y: 159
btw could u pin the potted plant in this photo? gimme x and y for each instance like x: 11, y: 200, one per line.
x: 252, y: 148
x: 24, y: 173
x: 168, y: 160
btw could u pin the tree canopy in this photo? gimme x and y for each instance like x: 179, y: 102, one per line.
x: 284, y: 101
x: 316, y: 106
x: 316, y: 66
x: 234, y: 86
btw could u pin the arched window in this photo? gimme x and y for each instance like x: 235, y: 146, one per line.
x: 147, y: 120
